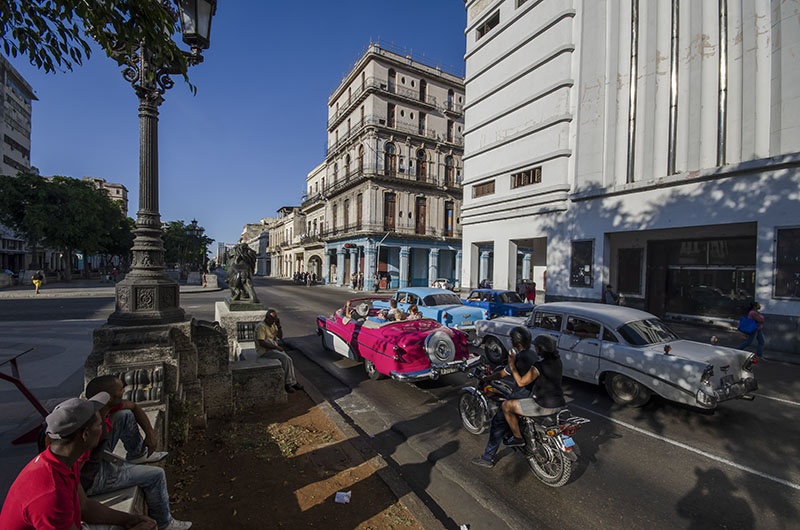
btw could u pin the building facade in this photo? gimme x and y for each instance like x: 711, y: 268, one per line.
x: 256, y: 236
x: 654, y: 146
x: 285, y: 235
x: 15, y: 150
x: 392, y: 182
x: 116, y: 192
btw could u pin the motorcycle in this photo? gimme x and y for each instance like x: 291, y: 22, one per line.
x: 549, y: 450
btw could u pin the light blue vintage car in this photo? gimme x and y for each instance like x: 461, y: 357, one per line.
x: 439, y: 304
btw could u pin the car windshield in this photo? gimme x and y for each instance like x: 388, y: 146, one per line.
x: 441, y: 299
x: 509, y: 298
x: 644, y: 332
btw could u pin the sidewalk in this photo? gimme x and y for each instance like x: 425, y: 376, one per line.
x: 79, y: 289
x: 729, y: 337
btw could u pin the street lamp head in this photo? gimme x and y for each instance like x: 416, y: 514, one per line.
x: 193, y: 230
x: 196, y: 22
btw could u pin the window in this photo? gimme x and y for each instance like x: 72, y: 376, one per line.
x: 423, y: 90
x: 421, y: 124
x: 360, y: 158
x: 390, y: 115
x: 422, y: 207
x: 335, y: 172
x: 450, y: 131
x: 582, y: 328
x: 348, y: 127
x: 449, y: 219
x: 347, y: 168
x: 448, y: 171
x: 363, y: 80
x: 359, y: 209
x: 581, y: 264
x: 441, y: 299
x: 422, y: 166
x: 392, y: 80
x: 333, y: 225
x: 361, y: 123
x: 390, y: 160
x: 346, y: 219
x: 551, y: 321
x: 349, y: 95
x: 608, y: 336
x: 629, y: 270
x: 524, y: 178
x: 787, y: 263
x: 643, y: 332
x: 450, y: 95
x: 487, y: 26
x: 520, y: 2
x: 481, y: 190
x: 388, y: 211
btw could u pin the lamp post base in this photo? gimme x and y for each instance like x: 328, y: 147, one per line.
x: 146, y: 300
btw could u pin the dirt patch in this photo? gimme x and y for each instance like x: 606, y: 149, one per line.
x: 279, y: 468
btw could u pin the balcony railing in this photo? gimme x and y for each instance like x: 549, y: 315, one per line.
x: 406, y: 231
x: 356, y: 177
x: 382, y: 85
x: 406, y: 127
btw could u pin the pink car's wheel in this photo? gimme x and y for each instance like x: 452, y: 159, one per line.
x: 372, y: 372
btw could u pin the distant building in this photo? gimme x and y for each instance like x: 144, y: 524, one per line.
x: 392, y: 173
x: 16, y: 97
x: 116, y: 192
x: 653, y: 146
x: 256, y: 236
x: 285, y: 249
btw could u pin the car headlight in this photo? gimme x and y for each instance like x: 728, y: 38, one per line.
x: 708, y: 373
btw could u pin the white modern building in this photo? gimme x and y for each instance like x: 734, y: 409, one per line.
x: 652, y: 145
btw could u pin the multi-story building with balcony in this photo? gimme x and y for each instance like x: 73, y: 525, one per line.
x: 285, y: 235
x: 256, y: 236
x: 391, y: 185
x: 116, y: 192
x: 313, y: 210
x: 654, y: 146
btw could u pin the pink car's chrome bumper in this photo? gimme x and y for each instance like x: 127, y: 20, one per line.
x: 435, y: 371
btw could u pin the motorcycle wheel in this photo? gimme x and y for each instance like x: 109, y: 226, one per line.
x: 548, y: 462
x: 473, y: 415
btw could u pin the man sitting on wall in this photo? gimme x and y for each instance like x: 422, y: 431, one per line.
x: 269, y: 345
x: 47, y: 493
x: 101, y: 472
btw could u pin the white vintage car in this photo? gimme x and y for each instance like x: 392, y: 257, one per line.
x: 633, y: 353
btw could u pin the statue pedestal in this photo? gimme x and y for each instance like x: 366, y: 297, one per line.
x: 239, y: 321
x: 194, y: 278
x: 212, y: 281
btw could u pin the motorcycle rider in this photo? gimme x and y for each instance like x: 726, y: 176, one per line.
x: 547, y: 396
x: 499, y: 430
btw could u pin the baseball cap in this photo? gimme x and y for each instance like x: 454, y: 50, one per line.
x: 71, y: 414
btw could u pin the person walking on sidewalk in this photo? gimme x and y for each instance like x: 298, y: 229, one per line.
x: 38, y: 278
x: 102, y: 474
x: 758, y: 335
x: 269, y: 344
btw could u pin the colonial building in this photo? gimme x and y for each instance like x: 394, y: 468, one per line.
x: 314, y: 210
x: 16, y: 96
x: 285, y: 235
x: 650, y: 145
x: 256, y: 236
x: 392, y: 180
x: 116, y: 192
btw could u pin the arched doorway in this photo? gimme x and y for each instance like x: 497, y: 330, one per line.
x: 314, y: 267
x: 449, y: 172
x: 390, y: 160
x: 422, y: 166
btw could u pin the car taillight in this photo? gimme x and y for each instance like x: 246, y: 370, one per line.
x: 708, y: 373
x: 748, y: 364
x: 446, y: 316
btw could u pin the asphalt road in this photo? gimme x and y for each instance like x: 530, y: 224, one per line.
x: 661, y: 466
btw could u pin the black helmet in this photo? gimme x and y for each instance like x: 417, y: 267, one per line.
x: 545, y: 343
x: 521, y: 336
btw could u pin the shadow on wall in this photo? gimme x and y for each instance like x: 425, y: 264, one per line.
x: 740, y: 198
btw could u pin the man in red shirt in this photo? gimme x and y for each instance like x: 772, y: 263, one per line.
x: 47, y: 494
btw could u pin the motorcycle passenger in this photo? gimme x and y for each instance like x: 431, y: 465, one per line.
x: 499, y: 429
x: 547, y: 396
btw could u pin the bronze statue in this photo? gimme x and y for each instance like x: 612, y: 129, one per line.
x: 241, y: 265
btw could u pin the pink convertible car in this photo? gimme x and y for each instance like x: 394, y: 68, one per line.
x: 407, y: 350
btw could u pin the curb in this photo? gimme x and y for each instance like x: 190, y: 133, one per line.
x: 391, y: 477
x: 24, y: 295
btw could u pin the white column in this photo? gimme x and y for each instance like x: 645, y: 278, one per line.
x: 404, y: 252
x: 457, y: 279
x: 526, y: 266
x: 340, y: 272
x: 433, y: 264
x: 353, y: 263
x: 371, y: 265
x: 484, y: 266
x: 326, y: 270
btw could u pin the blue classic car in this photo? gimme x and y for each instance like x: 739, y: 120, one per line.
x: 499, y: 303
x: 439, y: 304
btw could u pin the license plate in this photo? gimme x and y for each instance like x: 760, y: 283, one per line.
x: 466, y: 323
x: 567, y: 441
x: 448, y: 370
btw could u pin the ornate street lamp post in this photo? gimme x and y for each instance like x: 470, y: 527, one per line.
x: 147, y: 295
x: 192, y: 233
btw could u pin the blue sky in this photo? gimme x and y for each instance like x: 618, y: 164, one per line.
x: 242, y: 147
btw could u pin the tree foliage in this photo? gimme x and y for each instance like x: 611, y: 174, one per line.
x: 183, y: 249
x: 64, y: 213
x: 55, y: 34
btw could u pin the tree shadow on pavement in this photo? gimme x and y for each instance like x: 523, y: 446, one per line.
x: 713, y: 487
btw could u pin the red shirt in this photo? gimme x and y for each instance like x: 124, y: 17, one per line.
x: 43, y: 497
x: 111, y: 411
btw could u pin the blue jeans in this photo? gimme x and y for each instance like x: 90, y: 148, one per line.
x: 113, y: 477
x: 499, y: 429
x: 756, y: 335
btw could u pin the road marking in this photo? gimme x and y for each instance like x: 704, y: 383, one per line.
x: 692, y: 449
x: 795, y: 403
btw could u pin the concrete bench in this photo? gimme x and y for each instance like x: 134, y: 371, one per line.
x: 257, y: 382
x: 156, y: 417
